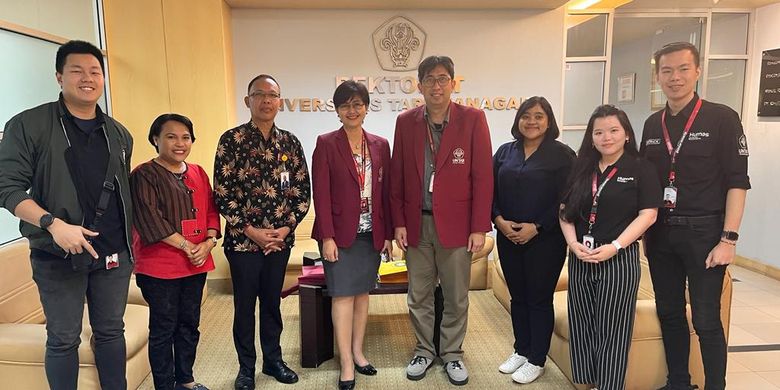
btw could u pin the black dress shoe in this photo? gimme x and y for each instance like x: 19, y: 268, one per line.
x: 346, y: 385
x: 280, y: 372
x: 368, y: 369
x: 245, y: 380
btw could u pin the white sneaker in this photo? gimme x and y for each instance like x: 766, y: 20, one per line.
x: 527, y: 373
x: 512, y: 364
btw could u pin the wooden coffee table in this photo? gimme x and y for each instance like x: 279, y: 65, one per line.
x: 316, y: 322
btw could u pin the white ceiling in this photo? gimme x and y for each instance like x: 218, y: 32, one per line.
x: 485, y: 4
x: 684, y: 4
x: 397, y: 4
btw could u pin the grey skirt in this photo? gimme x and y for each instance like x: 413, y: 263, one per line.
x: 355, y: 272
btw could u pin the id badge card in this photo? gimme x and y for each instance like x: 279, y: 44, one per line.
x: 670, y: 197
x: 588, y: 241
x: 364, y: 205
x: 430, y: 186
x: 284, y: 180
x: 112, y: 261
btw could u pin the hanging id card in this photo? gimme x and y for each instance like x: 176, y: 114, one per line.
x: 430, y: 186
x: 364, y: 205
x: 588, y: 241
x: 284, y: 180
x: 670, y: 197
x: 112, y: 261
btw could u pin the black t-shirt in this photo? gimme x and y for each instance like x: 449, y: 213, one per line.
x: 712, y: 159
x: 634, y: 187
x: 89, y: 147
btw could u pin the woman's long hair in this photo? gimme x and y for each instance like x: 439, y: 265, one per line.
x: 578, y: 194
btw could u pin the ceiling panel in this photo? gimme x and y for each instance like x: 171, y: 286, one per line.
x: 398, y: 4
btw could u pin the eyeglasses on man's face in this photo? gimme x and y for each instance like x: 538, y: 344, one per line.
x: 430, y: 81
x: 357, y: 106
x: 263, y: 95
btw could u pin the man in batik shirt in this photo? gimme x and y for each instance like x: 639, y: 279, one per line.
x: 262, y: 189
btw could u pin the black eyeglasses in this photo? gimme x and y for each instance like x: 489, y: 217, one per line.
x: 441, y: 80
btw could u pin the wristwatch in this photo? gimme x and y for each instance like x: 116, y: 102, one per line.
x: 729, y: 235
x: 46, y: 221
x: 213, y: 240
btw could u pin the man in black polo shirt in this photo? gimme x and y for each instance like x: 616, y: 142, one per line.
x: 700, y: 152
x: 79, y: 235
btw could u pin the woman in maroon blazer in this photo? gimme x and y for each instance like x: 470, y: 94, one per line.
x: 352, y: 225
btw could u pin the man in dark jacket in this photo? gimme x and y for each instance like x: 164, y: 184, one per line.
x: 76, y: 215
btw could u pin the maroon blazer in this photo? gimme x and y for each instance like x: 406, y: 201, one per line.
x: 336, y: 189
x: 463, y: 185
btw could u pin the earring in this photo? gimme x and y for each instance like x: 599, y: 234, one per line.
x: 626, y: 140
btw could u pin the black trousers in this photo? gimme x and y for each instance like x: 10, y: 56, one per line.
x: 531, y: 272
x: 677, y: 254
x: 174, y: 316
x: 257, y: 276
x: 62, y: 291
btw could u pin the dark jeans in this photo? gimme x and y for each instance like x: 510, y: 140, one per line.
x: 62, y: 292
x: 677, y: 253
x: 531, y: 272
x: 256, y: 275
x: 174, y: 316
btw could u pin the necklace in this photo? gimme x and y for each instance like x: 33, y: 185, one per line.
x: 177, y: 175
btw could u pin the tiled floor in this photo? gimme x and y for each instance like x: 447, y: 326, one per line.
x: 755, y: 321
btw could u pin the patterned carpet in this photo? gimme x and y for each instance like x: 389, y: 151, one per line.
x: 389, y: 343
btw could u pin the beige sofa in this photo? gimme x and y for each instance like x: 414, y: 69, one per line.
x: 23, y: 329
x: 304, y: 243
x: 646, y: 362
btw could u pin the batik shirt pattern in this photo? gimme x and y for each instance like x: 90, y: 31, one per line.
x: 248, y: 185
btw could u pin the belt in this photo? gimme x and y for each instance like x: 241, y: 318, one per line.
x: 427, y: 212
x: 679, y: 220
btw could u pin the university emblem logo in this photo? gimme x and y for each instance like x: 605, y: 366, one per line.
x: 399, y: 44
x: 458, y: 156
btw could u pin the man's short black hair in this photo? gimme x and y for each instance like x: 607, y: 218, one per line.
x: 77, y: 47
x: 427, y: 65
x: 262, y: 76
x: 157, y: 125
x: 673, y: 47
x: 346, y: 90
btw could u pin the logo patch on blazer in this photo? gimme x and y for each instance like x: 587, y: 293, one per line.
x: 458, y: 156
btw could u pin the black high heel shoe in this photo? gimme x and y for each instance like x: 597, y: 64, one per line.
x: 346, y: 385
x: 368, y: 369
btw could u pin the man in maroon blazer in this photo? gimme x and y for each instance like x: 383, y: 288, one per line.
x: 441, y: 194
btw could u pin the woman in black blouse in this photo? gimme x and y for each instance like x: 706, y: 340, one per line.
x: 612, y: 198
x: 530, y: 175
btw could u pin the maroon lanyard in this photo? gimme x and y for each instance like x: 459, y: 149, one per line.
x: 361, y: 169
x: 596, y: 192
x: 673, y: 152
x: 430, y: 144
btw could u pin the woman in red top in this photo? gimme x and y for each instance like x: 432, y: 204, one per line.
x: 176, y: 227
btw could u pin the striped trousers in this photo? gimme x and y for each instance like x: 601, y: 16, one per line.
x: 602, y: 304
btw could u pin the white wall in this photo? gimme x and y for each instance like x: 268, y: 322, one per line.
x: 759, y: 233
x: 499, y: 53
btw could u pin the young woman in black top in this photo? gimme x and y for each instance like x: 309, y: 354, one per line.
x: 612, y: 198
x: 530, y: 176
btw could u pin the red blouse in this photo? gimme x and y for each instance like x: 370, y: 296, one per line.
x: 163, y: 204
